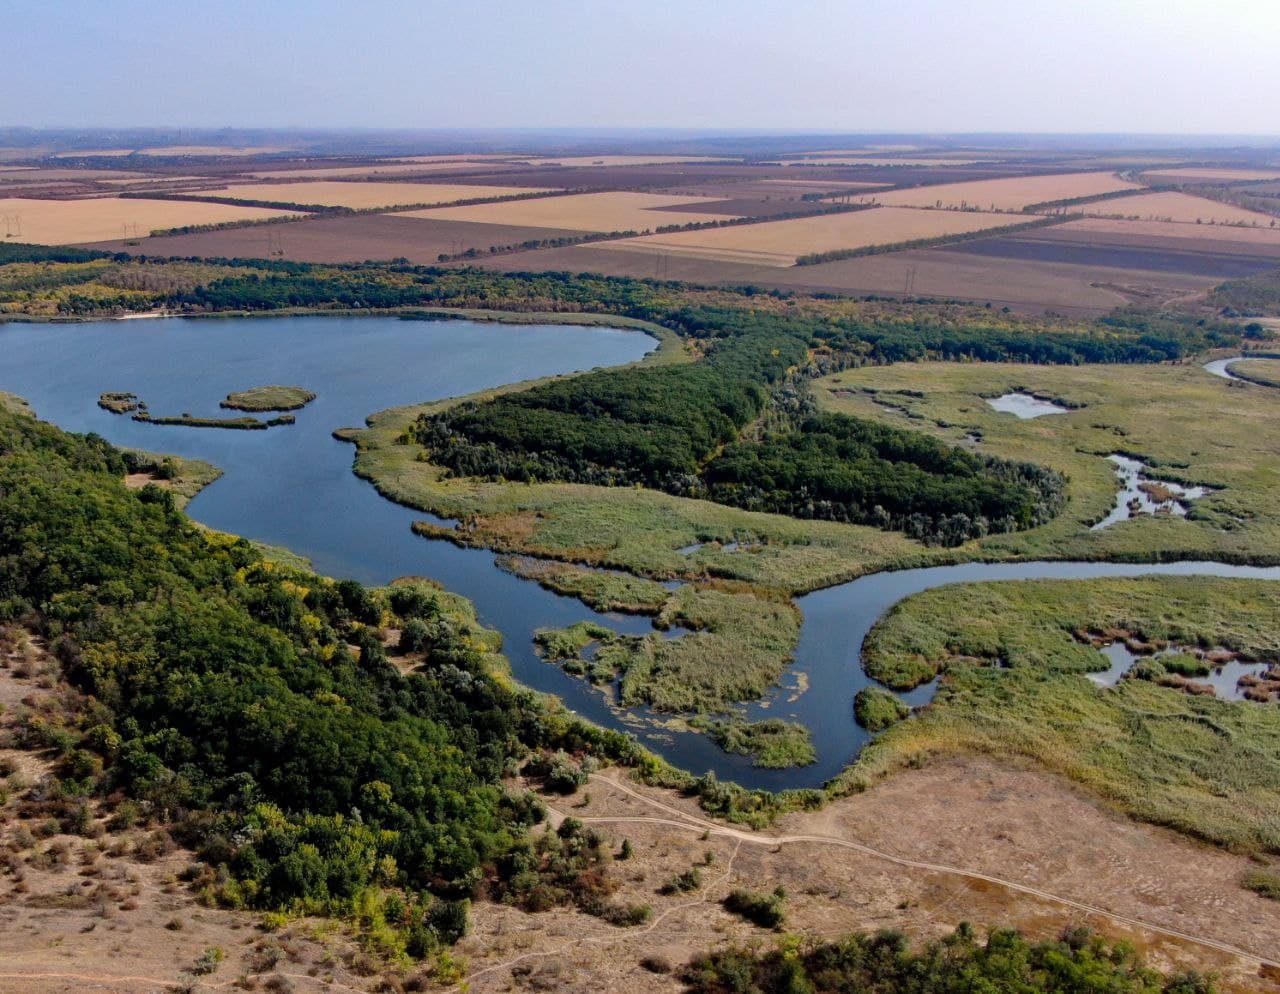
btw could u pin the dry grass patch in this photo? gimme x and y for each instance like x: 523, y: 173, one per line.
x: 1012, y: 194
x: 68, y: 222
x: 379, y: 169
x: 779, y: 243
x: 1181, y: 207
x: 628, y: 160
x: 363, y: 196
x: 613, y: 211
x: 1191, y: 173
x: 853, y: 160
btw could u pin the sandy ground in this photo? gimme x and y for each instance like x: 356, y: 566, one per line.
x: 996, y: 837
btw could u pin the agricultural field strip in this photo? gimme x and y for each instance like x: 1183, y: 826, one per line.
x: 362, y: 196
x: 780, y: 243
x: 69, y: 222
x: 597, y: 212
x: 1196, y: 173
x: 1177, y: 207
x: 1007, y: 194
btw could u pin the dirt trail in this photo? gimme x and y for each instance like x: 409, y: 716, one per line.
x: 684, y: 820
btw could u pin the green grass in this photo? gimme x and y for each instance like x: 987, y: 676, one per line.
x: 1190, y: 426
x: 269, y: 398
x: 1264, y: 372
x: 737, y: 649
x: 599, y: 590
x: 775, y: 744
x: 1200, y: 765
x: 1033, y: 623
x: 1265, y: 883
x: 877, y: 709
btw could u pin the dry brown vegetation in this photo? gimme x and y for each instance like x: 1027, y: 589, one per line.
x: 69, y: 222
x: 93, y: 897
x: 363, y: 196
x: 993, y: 822
x: 1012, y: 194
x: 1194, y: 173
x: 779, y: 243
x: 615, y: 211
x: 1178, y: 207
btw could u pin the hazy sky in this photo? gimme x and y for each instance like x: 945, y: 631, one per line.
x: 838, y: 65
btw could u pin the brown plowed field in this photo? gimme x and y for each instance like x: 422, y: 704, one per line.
x: 384, y: 169
x: 376, y: 237
x: 1219, y: 265
x: 1030, y: 287
x: 364, y: 195
x: 1163, y: 234
x: 615, y: 211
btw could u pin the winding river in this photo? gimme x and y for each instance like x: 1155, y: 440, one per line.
x: 293, y: 486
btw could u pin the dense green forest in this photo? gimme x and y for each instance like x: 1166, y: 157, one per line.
x: 678, y: 428
x: 960, y: 963
x: 252, y: 708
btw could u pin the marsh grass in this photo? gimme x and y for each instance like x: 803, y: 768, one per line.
x: 1197, y: 764
x: 269, y: 398
x: 1189, y: 426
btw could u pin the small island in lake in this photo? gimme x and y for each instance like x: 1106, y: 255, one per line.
x: 269, y: 398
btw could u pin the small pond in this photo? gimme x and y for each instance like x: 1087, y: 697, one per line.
x: 1024, y: 405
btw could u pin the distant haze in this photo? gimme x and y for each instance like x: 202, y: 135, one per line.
x: 1172, y: 66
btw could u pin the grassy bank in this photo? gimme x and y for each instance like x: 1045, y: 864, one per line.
x: 1014, y: 686
x: 1187, y: 425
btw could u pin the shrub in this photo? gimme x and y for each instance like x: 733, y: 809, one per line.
x: 760, y: 909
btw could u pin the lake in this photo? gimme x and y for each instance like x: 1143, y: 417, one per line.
x: 293, y: 486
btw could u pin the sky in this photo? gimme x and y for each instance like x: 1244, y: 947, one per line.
x: 920, y: 66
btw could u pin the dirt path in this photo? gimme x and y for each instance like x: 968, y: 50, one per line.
x: 684, y: 820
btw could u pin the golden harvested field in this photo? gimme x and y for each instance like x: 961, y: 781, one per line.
x: 626, y: 160
x: 1169, y: 229
x: 1012, y: 194
x: 378, y: 169
x: 71, y: 222
x: 613, y: 211
x: 1190, y: 173
x: 848, y: 160
x: 1180, y: 207
x: 364, y: 195
x: 215, y: 150
x: 821, y: 185
x: 779, y: 243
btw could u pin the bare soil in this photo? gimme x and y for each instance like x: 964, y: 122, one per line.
x: 987, y: 822
x: 377, y: 237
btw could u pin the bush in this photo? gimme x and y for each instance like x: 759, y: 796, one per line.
x: 760, y: 909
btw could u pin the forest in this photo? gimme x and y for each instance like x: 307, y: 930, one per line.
x: 1004, y: 961
x: 250, y: 708
x: 678, y: 428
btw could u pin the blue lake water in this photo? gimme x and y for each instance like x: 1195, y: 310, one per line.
x: 293, y: 485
